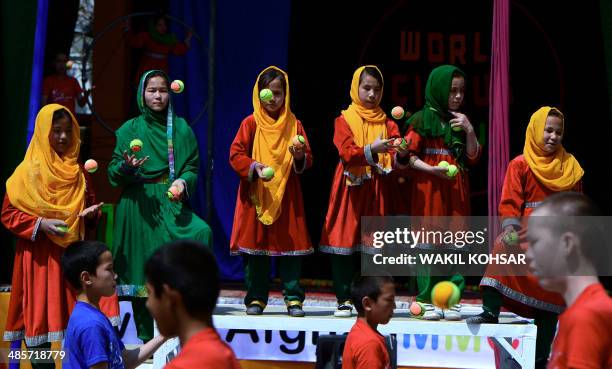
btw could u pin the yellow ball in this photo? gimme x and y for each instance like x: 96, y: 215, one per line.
x: 445, y: 294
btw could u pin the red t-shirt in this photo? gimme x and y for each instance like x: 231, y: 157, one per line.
x: 61, y: 90
x: 584, y: 335
x: 205, y: 350
x: 365, y: 349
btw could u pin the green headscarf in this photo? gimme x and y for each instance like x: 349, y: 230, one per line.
x: 428, y: 121
x: 158, y: 132
x: 165, y: 39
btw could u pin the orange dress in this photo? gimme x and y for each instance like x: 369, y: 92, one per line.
x: 521, y: 194
x: 433, y: 196
x: 41, y: 299
x: 347, y: 204
x: 288, y: 235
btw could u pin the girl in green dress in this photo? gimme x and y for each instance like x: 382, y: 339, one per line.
x: 146, y: 216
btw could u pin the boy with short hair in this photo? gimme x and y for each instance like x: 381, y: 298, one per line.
x: 567, y: 247
x: 91, y: 341
x: 374, y: 300
x: 183, y: 284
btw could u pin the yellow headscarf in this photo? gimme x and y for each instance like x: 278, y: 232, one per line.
x: 558, y: 171
x: 271, y: 148
x: 367, y: 125
x: 47, y: 185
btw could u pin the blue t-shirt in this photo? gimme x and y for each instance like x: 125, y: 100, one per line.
x: 91, y: 339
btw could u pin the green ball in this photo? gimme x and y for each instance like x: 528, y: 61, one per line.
x: 443, y: 164
x: 457, y: 129
x: 268, y: 172
x: 511, y: 238
x: 62, y: 228
x: 452, y: 170
x: 265, y: 95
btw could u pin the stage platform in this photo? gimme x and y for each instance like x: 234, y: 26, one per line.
x: 274, y: 336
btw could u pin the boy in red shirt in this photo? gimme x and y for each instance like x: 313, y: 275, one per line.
x: 374, y: 299
x: 61, y: 88
x: 565, y: 236
x: 183, y: 287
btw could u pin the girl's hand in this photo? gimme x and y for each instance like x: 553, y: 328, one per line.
x: 133, y: 161
x: 297, y: 152
x: 461, y: 120
x: 402, y: 152
x: 50, y: 226
x: 380, y: 146
x: 180, y: 185
x: 258, y: 168
x: 440, y: 172
x: 91, y: 211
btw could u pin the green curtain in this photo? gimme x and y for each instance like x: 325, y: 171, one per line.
x: 18, y: 24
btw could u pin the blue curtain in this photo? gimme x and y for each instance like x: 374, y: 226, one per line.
x: 249, y: 38
x: 38, y: 64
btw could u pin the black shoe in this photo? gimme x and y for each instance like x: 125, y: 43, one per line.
x: 483, y: 318
x: 255, y: 308
x: 295, y: 311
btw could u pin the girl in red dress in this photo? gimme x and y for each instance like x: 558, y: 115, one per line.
x: 48, y: 203
x: 363, y: 135
x: 269, y: 219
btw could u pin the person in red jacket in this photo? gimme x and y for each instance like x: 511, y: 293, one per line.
x: 60, y: 88
x: 157, y: 43
x: 183, y: 284
x: 365, y: 348
x: 567, y: 250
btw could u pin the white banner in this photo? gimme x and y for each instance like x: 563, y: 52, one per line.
x: 412, y: 349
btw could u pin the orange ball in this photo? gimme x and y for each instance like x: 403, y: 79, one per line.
x: 91, y: 166
x: 445, y: 294
x: 417, y: 309
x: 397, y: 112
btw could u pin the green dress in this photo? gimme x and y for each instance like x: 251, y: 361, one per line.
x: 145, y: 218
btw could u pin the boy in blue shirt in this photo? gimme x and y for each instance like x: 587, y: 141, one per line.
x: 90, y: 339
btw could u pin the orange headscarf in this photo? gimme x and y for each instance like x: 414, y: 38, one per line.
x: 558, y: 171
x: 271, y: 148
x: 367, y: 125
x: 47, y: 185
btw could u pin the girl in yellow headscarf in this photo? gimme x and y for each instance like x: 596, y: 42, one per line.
x: 48, y: 201
x: 269, y: 151
x: 543, y: 169
x: 363, y: 136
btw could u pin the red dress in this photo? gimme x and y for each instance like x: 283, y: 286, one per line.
x: 288, y: 235
x: 41, y: 299
x: 433, y: 196
x: 347, y: 204
x: 155, y: 55
x: 521, y: 193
